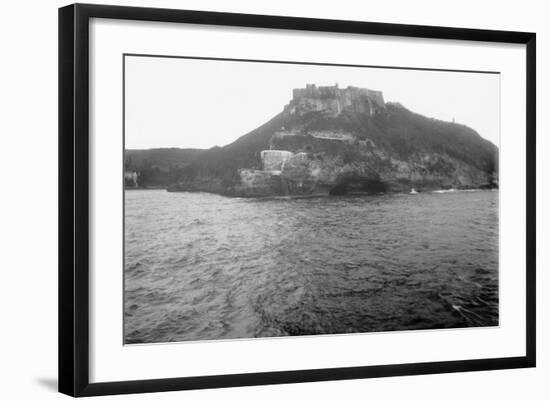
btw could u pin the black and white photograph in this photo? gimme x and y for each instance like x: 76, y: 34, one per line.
x: 266, y: 201
x: 275, y: 198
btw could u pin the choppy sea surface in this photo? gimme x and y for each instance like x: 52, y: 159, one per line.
x: 206, y: 267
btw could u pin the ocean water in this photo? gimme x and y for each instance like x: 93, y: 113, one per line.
x: 206, y: 267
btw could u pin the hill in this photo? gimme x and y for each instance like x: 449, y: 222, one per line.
x: 335, y: 141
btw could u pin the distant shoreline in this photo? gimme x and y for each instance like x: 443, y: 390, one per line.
x: 143, y: 188
x: 321, y: 195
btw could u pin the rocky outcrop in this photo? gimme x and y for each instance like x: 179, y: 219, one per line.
x: 259, y: 183
x: 329, y: 140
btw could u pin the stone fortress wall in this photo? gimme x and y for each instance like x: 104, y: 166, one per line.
x: 333, y: 100
x: 274, y: 160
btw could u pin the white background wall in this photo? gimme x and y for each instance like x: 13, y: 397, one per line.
x: 28, y: 199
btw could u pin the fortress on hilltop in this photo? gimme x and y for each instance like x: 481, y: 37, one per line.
x: 332, y: 100
x: 334, y: 141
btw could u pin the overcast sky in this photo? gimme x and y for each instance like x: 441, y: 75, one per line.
x: 186, y: 103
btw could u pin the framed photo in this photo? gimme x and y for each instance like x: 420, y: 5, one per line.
x: 249, y: 199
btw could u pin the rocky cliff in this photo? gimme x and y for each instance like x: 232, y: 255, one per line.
x: 329, y: 140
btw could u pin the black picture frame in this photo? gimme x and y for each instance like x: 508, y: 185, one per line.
x: 74, y: 198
